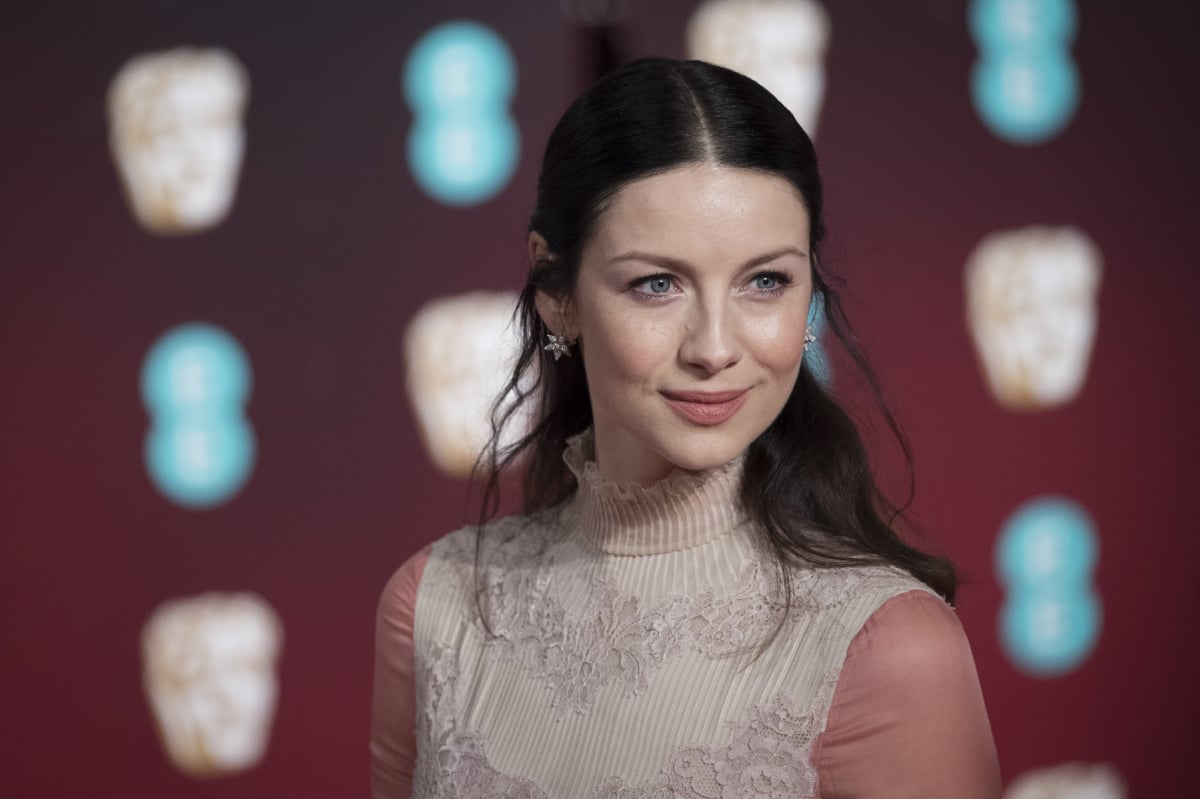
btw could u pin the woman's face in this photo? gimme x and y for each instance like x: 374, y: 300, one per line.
x: 690, y: 309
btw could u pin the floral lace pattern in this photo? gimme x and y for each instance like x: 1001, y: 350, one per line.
x: 615, y: 637
x: 581, y: 633
x: 819, y: 590
x: 770, y: 756
x: 452, y: 762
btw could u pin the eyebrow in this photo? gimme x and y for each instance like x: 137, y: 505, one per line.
x: 677, y: 263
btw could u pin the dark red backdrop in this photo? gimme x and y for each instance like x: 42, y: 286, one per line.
x: 331, y: 247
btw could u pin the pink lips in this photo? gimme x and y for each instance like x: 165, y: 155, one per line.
x: 706, y: 407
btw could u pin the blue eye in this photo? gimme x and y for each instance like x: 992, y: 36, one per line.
x: 654, y: 286
x: 770, y: 283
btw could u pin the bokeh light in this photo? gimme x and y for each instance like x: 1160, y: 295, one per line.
x: 1046, y: 554
x: 1024, y: 85
x: 199, y: 450
x: 464, y: 144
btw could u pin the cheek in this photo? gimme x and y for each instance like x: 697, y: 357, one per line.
x: 625, y: 347
x: 777, y: 340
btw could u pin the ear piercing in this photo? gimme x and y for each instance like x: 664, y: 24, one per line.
x: 558, y: 346
x: 809, y: 337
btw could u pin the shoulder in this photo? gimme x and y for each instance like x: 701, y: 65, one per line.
x: 506, y: 542
x: 857, y: 591
x: 400, y: 592
x: 908, y: 660
x: 908, y: 700
x: 399, y: 595
x: 913, y: 633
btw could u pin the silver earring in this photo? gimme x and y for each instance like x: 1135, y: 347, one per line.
x: 809, y: 337
x: 558, y: 346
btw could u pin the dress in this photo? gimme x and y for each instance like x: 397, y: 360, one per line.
x: 627, y: 662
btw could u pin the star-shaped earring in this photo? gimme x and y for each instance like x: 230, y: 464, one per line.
x: 809, y: 337
x: 558, y: 346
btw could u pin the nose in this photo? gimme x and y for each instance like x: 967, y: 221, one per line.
x: 711, y: 342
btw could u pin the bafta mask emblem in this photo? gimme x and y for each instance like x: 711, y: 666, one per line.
x: 460, y: 352
x: 779, y: 43
x: 1069, y: 781
x: 1031, y: 308
x: 175, y: 131
x: 209, y: 670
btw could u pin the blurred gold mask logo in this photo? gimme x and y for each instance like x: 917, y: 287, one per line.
x: 1031, y: 308
x: 209, y: 671
x: 460, y: 352
x: 1069, y: 781
x: 779, y: 43
x: 175, y: 131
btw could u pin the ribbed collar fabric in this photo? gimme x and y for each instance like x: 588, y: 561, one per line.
x: 676, y: 513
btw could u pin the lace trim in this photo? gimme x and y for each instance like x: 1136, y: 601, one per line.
x: 770, y: 753
x: 453, y: 762
x: 821, y: 590
x: 615, y: 637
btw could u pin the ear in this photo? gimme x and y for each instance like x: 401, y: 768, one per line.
x: 557, y: 313
x: 539, y: 250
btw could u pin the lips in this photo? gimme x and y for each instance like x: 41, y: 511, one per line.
x: 706, y: 408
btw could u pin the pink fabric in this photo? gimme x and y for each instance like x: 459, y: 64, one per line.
x: 907, y: 718
x: 394, y: 706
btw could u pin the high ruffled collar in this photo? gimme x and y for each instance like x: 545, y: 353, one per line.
x: 676, y: 513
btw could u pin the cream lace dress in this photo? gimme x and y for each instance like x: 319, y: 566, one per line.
x: 624, y: 656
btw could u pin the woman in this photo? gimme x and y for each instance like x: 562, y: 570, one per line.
x: 708, y: 600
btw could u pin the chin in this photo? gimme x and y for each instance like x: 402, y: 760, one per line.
x: 704, y: 451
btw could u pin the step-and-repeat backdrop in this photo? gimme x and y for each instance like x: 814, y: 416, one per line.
x: 258, y: 264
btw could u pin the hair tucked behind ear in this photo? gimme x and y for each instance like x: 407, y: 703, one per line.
x: 807, y: 479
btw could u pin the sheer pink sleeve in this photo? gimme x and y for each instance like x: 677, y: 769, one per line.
x: 394, y: 706
x: 908, y: 718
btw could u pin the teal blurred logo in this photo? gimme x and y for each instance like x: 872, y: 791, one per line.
x: 1024, y: 85
x: 195, y: 383
x: 816, y: 358
x: 464, y: 144
x: 1051, y: 617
